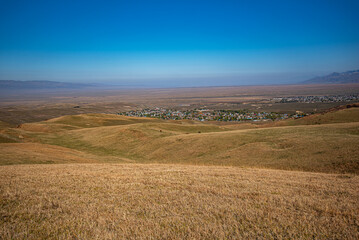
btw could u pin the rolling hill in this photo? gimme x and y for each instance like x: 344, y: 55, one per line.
x: 101, y: 176
x: 281, y: 145
x: 342, y: 114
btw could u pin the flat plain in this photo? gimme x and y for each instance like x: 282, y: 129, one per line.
x: 21, y: 106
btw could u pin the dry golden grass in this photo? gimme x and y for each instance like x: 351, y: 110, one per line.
x: 162, y: 201
x: 106, y: 201
x: 289, y: 148
x: 46, y: 128
x: 98, y: 120
x: 341, y: 116
x: 71, y: 122
x: 331, y: 148
x: 30, y: 153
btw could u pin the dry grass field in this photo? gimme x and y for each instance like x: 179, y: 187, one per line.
x: 132, y: 201
x: 103, y: 176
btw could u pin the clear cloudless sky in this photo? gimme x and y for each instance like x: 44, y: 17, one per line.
x: 177, y: 42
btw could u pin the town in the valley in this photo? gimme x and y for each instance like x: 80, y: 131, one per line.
x: 318, y: 99
x: 238, y: 115
x: 211, y: 115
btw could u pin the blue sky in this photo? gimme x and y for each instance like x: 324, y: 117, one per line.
x: 177, y: 42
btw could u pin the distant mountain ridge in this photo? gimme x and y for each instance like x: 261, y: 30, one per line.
x: 13, y: 84
x: 344, y: 77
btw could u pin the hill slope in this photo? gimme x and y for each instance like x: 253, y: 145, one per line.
x: 112, y: 138
x: 180, y: 200
x: 128, y: 201
x: 343, y: 114
x: 344, y: 77
x: 34, y: 153
x: 288, y: 148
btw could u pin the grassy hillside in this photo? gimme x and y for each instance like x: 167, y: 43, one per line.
x: 335, y: 116
x: 31, y: 153
x: 107, y: 201
x: 8, y: 134
x: 71, y: 122
x: 245, y: 194
x: 326, y: 147
x: 323, y: 148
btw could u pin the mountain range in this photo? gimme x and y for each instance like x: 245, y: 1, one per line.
x: 344, y: 77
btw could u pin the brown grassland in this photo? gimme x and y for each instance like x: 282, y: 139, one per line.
x: 104, y: 176
x: 112, y: 138
x: 136, y: 201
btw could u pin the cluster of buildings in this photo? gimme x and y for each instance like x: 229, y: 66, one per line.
x: 209, y: 115
x: 316, y: 99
